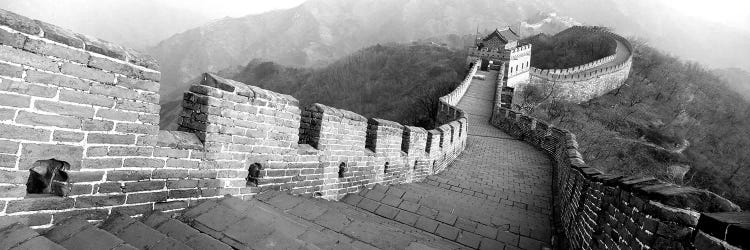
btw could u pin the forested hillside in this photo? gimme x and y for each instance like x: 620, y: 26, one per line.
x: 395, y: 82
x: 569, y: 48
x: 671, y: 119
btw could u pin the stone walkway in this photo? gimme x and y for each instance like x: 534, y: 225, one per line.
x: 496, y: 195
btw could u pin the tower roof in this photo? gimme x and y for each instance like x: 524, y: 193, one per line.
x: 506, y: 35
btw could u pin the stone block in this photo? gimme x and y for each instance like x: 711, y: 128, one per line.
x: 85, y: 176
x: 138, y: 106
x: 147, y: 197
x: 56, y: 80
x: 50, y: 49
x: 143, y: 163
x: 136, y: 128
x: 34, y: 119
x: 15, y: 40
x: 64, y: 109
x: 143, y: 186
x: 9, y: 54
x: 100, y: 201
x: 128, y: 175
x: 87, y: 73
x: 170, y: 174
x: 97, y: 125
x: 60, y: 35
x: 138, y: 84
x: 99, y: 163
x: 17, y: 101
x: 98, y: 138
x: 31, y: 152
x: 67, y: 136
x: 86, y: 98
x: 37, y: 204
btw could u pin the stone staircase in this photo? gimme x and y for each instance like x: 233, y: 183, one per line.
x: 407, y: 216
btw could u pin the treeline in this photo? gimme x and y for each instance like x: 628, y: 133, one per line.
x: 669, y: 117
x: 401, y: 83
x: 569, y: 48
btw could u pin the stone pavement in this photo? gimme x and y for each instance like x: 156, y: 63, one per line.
x: 496, y: 195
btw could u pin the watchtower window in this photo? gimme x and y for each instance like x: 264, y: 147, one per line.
x: 385, y: 167
x: 47, y: 177
x: 253, y: 174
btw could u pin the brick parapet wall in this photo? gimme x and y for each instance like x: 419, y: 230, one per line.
x: 595, y: 210
x: 583, y: 82
x: 94, y: 104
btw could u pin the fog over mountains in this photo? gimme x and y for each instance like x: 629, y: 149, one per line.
x: 319, y: 31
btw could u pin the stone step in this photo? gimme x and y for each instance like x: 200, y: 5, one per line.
x: 76, y: 233
x: 19, y: 236
x: 245, y: 224
x: 140, y: 235
x: 356, y: 223
x: 470, y: 221
x: 183, y: 232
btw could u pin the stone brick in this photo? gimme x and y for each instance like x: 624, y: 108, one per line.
x: 8, y: 161
x: 36, y: 204
x: 32, y: 219
x: 143, y: 163
x: 60, y: 35
x: 9, y: 54
x: 67, y: 136
x: 27, y: 88
x: 469, y: 239
x: 447, y: 231
x: 112, y: 66
x: 100, y: 201
x: 12, y: 191
x: 97, y: 125
x: 28, y: 118
x: 79, y: 189
x: 133, y: 210
x: 138, y: 106
x: 203, y: 173
x: 210, y: 183
x: 8, y: 147
x: 19, y: 23
x: 128, y: 175
x: 31, y: 152
x: 108, y: 187
x: 184, y: 193
x: 170, y: 205
x: 171, y: 152
x: 426, y: 224
x: 64, y: 109
x: 13, y: 177
x: 113, y: 91
x: 143, y: 186
x: 15, y: 40
x: 180, y: 163
x: 88, y: 214
x: 407, y: 218
x: 136, y: 128
x: 129, y: 151
x: 147, y: 197
x: 175, y: 184
x: 103, y: 47
x: 110, y: 138
x: 17, y: 101
x: 170, y: 174
x: 149, y: 118
x: 85, y: 176
x: 7, y: 114
x: 117, y: 115
x: 50, y: 49
x: 11, y: 70
x: 138, y: 84
x: 102, y: 163
x: 87, y: 73
x: 86, y: 98
x: 57, y: 80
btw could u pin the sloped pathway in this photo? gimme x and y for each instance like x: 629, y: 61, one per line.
x: 496, y: 195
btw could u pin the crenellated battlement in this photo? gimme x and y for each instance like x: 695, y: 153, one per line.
x: 92, y: 107
x: 583, y: 82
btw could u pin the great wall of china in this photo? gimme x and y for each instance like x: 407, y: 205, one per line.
x: 581, y: 83
x: 66, y: 97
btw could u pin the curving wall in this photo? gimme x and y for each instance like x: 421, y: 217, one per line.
x: 584, y: 82
x: 94, y: 105
x: 595, y: 210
